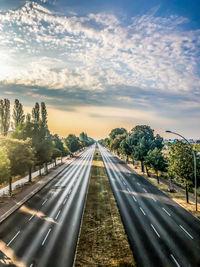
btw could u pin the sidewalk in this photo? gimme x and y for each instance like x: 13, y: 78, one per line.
x: 19, y: 199
x: 22, y: 181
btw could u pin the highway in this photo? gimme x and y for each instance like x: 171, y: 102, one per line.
x: 160, y: 232
x: 45, y: 230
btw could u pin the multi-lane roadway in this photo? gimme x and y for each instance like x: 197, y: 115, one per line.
x: 160, y: 232
x: 45, y: 230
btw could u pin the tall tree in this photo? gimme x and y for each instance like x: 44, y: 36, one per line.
x: 36, y: 112
x: 18, y: 113
x: 116, y: 131
x: 181, y: 164
x: 4, y: 165
x: 20, y: 155
x: 44, y: 113
x: 4, y: 116
x: 142, y: 140
x: 155, y: 160
x: 41, y: 142
x: 72, y: 143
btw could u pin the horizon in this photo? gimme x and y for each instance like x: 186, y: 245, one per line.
x: 100, y: 65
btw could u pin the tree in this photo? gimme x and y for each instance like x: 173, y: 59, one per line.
x: 44, y: 113
x: 36, y: 112
x: 20, y: 155
x: 72, y: 143
x: 142, y: 140
x: 28, y: 117
x: 125, y: 148
x: 155, y: 160
x: 116, y: 131
x: 4, y: 165
x: 18, y: 113
x: 41, y: 141
x: 4, y: 116
x: 181, y: 164
x: 55, y: 154
x: 116, y: 142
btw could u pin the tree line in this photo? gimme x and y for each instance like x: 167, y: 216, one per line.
x: 30, y: 145
x: 141, y: 144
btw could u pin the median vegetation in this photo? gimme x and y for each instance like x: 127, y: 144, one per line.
x: 103, y: 241
x: 26, y: 143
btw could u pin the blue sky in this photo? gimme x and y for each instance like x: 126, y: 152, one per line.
x: 103, y: 64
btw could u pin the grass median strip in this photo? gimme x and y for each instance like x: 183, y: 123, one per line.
x: 103, y: 241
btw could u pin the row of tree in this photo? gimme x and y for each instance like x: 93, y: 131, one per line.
x: 30, y: 144
x: 141, y: 144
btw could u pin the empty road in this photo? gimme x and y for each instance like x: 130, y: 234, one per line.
x: 160, y: 232
x: 45, y: 230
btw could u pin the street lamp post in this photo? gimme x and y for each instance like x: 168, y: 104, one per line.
x: 195, y: 167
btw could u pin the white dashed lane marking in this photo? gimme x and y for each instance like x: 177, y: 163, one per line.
x: 155, y: 230
x: 8, y: 244
x: 46, y: 237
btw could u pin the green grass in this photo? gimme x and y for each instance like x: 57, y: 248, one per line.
x: 103, y: 241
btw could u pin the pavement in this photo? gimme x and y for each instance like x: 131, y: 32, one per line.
x: 160, y: 232
x: 43, y: 230
x: 22, y: 181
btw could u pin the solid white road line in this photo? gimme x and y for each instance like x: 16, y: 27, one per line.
x: 134, y: 198
x: 155, y: 230
x: 166, y: 211
x: 142, y: 211
x: 31, y: 217
x: 186, y: 231
x: 57, y: 215
x: 46, y: 237
x: 13, y: 238
x: 175, y: 260
x: 44, y: 202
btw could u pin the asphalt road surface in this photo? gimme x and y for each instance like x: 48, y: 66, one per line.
x: 160, y: 232
x: 45, y: 230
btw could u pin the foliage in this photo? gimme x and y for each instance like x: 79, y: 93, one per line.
x: 19, y: 153
x: 72, y: 142
x: 36, y: 112
x: 155, y: 160
x: 4, y: 165
x: 181, y: 164
x: 41, y: 142
x: 4, y: 116
x: 142, y: 140
x: 58, y: 144
x: 18, y: 113
x: 116, y: 131
x: 44, y: 114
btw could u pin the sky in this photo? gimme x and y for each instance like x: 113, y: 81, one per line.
x: 101, y: 64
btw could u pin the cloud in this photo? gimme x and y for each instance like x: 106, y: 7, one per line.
x: 98, y: 50
x: 147, y: 66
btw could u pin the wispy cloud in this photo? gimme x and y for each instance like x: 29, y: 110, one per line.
x: 98, y: 50
x: 148, y: 65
